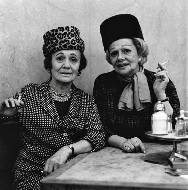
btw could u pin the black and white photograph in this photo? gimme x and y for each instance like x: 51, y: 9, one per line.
x: 93, y: 95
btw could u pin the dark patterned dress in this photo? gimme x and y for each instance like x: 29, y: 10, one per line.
x: 48, y: 125
x: 107, y: 91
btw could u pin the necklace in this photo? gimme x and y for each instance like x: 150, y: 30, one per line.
x: 60, y: 97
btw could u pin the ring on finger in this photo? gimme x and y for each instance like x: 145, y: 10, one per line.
x: 127, y: 148
x: 136, y: 142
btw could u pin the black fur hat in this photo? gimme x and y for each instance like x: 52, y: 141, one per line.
x: 118, y: 27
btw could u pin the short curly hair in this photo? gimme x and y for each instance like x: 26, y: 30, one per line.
x: 141, y: 47
x: 48, y: 63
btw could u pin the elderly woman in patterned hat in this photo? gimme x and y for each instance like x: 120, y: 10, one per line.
x: 58, y: 120
x: 126, y: 96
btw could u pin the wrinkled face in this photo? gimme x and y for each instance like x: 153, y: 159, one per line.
x: 124, y: 57
x: 65, y: 65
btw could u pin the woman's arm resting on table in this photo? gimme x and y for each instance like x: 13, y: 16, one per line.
x: 128, y: 145
x: 62, y: 155
x: 116, y: 141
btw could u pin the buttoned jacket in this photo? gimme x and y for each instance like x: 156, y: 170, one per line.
x: 43, y: 132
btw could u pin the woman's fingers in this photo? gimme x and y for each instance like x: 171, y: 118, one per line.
x: 128, y: 146
x: 54, y: 162
x: 162, y: 66
x: 139, y: 146
x: 11, y: 102
x: 51, y: 165
x: 163, y: 75
x: 7, y: 103
x: 46, y: 166
x: 136, y: 144
x: 162, y: 72
x: 160, y: 83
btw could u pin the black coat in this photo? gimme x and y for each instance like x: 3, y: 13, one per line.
x: 107, y: 91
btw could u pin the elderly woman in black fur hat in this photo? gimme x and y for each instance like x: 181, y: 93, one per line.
x: 57, y: 119
x: 126, y: 96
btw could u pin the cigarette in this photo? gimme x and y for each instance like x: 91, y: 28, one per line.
x: 19, y: 97
x: 162, y: 66
x: 164, y: 63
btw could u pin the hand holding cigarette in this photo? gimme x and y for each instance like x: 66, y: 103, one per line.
x: 162, y: 66
x: 161, y: 71
x: 12, y: 102
x: 161, y: 81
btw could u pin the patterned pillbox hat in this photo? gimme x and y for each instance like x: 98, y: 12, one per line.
x: 62, y: 38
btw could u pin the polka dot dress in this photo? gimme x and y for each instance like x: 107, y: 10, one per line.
x: 44, y: 133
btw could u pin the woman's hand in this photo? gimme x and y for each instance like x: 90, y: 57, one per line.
x: 133, y: 145
x: 161, y: 82
x: 60, y: 157
x: 9, y: 106
x: 11, y: 102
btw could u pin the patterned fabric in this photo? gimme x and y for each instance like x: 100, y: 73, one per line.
x: 136, y: 94
x: 62, y: 38
x: 107, y: 91
x: 44, y: 132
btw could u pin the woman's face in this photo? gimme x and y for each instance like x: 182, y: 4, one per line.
x: 124, y: 57
x: 65, y: 65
